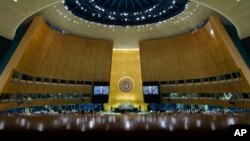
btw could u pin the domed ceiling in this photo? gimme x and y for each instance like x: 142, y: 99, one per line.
x: 125, y: 12
x: 127, y: 36
x: 14, y: 12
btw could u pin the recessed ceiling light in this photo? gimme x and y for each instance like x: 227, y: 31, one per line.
x: 212, y: 32
x: 15, y: 0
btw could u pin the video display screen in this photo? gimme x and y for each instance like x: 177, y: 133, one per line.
x: 150, y: 90
x: 101, y: 90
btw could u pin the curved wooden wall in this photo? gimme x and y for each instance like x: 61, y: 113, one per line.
x: 51, y: 54
x: 201, y: 54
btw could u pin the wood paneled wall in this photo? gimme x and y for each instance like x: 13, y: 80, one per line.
x: 51, y: 54
x: 25, y: 88
x: 31, y: 36
x: 204, y: 53
x: 234, y: 87
x: 63, y: 56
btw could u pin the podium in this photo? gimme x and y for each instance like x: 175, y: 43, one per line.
x: 126, y: 107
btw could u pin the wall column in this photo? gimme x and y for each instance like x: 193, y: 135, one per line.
x: 126, y: 66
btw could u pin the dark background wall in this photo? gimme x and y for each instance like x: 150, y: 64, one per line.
x: 9, y: 47
x: 4, y: 45
x: 246, y: 44
x: 243, y: 46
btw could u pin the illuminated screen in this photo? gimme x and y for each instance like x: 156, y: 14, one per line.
x: 101, y: 90
x: 148, y: 90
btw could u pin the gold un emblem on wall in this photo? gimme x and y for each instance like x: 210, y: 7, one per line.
x: 126, y: 84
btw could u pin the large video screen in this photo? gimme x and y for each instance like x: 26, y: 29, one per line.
x: 101, y: 90
x: 150, y: 90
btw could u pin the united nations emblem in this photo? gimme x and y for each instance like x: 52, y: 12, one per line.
x: 126, y: 84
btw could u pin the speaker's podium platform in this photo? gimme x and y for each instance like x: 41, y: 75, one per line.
x: 125, y: 108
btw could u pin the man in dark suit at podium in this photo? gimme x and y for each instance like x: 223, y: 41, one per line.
x: 101, y: 90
